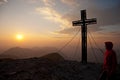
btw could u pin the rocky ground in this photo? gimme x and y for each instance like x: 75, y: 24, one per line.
x: 45, y: 69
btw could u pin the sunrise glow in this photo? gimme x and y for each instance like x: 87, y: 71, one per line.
x: 19, y: 37
x: 48, y: 23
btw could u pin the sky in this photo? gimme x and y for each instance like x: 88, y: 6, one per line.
x: 49, y: 22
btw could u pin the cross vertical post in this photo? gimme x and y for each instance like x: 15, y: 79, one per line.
x: 84, y: 37
x: 83, y: 23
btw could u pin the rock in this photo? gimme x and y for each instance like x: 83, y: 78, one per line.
x: 45, y: 69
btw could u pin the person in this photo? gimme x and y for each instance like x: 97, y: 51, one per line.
x: 109, y: 64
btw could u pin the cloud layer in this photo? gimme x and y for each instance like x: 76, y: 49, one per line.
x: 70, y: 2
x: 49, y: 2
x: 51, y: 14
x: 107, y: 12
x: 3, y: 1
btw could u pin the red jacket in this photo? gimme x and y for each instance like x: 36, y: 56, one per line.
x: 110, y: 62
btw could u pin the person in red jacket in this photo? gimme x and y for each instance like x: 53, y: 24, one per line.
x: 110, y: 63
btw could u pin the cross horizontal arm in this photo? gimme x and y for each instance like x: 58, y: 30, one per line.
x: 77, y: 23
x: 91, y: 21
x: 87, y: 22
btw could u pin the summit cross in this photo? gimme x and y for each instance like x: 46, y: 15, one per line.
x: 83, y: 23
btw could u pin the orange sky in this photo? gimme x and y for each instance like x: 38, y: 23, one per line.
x: 49, y: 22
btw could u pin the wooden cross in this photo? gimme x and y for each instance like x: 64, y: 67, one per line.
x: 83, y: 23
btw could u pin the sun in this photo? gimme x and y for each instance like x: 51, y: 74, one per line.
x: 19, y: 37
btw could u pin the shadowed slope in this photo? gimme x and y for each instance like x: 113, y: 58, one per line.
x: 54, y: 57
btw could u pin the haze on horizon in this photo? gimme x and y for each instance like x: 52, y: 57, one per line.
x: 43, y: 23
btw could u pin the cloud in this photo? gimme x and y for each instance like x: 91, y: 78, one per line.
x: 32, y: 1
x: 49, y: 2
x: 70, y: 2
x: 74, y: 29
x: 51, y: 14
x: 106, y: 13
x: 71, y: 30
x: 3, y: 1
x: 105, y: 16
x: 113, y: 34
x: 65, y: 20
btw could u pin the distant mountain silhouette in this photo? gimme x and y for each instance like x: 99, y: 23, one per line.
x: 19, y: 53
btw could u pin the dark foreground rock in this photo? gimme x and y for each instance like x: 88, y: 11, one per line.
x: 45, y: 69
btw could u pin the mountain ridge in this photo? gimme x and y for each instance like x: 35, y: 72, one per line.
x: 19, y: 53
